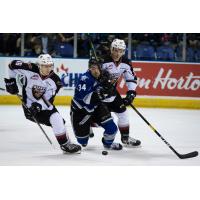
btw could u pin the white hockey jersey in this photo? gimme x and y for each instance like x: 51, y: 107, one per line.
x: 36, y: 88
x: 116, y: 70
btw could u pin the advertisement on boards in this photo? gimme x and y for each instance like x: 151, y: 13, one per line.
x: 166, y: 79
x: 154, y: 78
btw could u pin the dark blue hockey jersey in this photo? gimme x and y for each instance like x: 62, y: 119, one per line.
x: 85, y: 87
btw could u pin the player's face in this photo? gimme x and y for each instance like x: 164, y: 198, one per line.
x: 95, y: 71
x: 117, y: 54
x: 45, y: 69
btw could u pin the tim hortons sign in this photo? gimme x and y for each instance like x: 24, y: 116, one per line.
x: 166, y: 79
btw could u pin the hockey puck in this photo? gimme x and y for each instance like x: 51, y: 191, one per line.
x: 104, y: 153
x: 91, y: 135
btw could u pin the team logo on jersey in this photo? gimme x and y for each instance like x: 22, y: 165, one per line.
x: 38, y: 91
x: 83, y: 78
x: 35, y: 77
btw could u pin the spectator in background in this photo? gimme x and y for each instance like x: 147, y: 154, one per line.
x: 175, y: 38
x: 28, y: 43
x: 190, y: 52
x: 83, y: 46
x: 36, y: 49
x: 103, y: 48
x: 197, y: 54
x: 63, y: 45
x: 45, y: 41
x: 36, y: 44
x: 65, y: 37
x: 110, y: 38
x: 9, y: 44
x: 192, y: 40
x: 165, y: 51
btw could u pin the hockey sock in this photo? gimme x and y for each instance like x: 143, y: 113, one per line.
x: 124, y: 132
x: 62, y: 139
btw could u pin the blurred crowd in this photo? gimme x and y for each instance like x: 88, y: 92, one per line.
x: 144, y: 46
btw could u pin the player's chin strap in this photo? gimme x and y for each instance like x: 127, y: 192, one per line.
x: 181, y: 156
x: 20, y: 97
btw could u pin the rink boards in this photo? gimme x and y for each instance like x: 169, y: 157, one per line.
x: 160, y: 84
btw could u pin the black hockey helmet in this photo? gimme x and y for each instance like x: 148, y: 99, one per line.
x: 92, y: 62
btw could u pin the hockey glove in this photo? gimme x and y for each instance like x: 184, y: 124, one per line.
x: 35, y: 108
x: 11, y: 85
x: 105, y: 82
x: 101, y: 93
x: 130, y: 95
x: 105, y: 78
x: 98, y: 95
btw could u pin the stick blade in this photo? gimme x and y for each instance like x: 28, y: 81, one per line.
x: 188, y: 155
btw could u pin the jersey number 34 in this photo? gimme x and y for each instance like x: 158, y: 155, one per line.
x: 81, y: 87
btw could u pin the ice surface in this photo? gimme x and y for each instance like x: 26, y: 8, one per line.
x: 23, y: 143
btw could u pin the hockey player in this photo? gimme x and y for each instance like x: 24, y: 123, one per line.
x: 38, y: 91
x: 116, y: 64
x: 87, y: 107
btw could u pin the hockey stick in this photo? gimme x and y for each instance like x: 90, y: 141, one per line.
x: 20, y: 97
x: 92, y: 47
x: 2, y: 89
x: 181, y: 156
x: 36, y: 121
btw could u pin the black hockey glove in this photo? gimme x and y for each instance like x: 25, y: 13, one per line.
x: 99, y: 95
x: 105, y: 79
x: 11, y: 85
x: 130, y: 95
x: 35, y: 108
x: 105, y: 82
x: 102, y: 93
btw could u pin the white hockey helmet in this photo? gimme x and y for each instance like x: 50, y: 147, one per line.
x: 45, y: 59
x: 118, y: 44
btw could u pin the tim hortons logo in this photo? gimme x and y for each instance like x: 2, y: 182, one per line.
x: 189, y: 82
